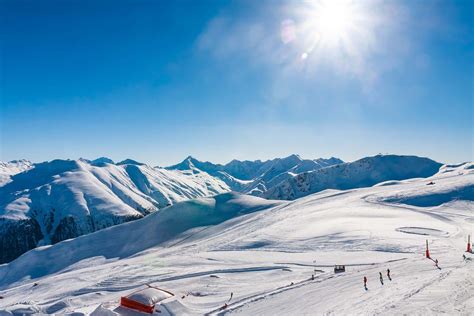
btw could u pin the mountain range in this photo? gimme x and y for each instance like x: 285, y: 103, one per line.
x: 48, y: 202
x: 272, y: 255
x: 62, y: 199
x: 256, y: 177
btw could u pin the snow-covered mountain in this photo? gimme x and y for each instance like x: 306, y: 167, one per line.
x: 52, y: 201
x: 10, y: 168
x: 361, y: 173
x: 61, y: 199
x: 256, y: 177
x: 274, y: 256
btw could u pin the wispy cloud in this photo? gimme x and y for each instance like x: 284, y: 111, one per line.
x: 227, y: 38
x: 282, y: 42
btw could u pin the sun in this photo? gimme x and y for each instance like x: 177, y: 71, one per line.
x: 333, y: 19
x: 332, y: 25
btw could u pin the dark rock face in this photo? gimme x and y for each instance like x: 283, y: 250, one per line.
x: 17, y: 237
x: 71, y: 227
x: 66, y: 229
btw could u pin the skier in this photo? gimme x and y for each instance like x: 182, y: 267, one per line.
x: 312, y: 277
x: 388, y: 275
x: 381, y: 278
x: 365, y: 283
x: 226, y: 303
x: 436, y: 263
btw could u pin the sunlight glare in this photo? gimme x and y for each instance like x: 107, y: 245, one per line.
x: 333, y: 18
x: 334, y: 28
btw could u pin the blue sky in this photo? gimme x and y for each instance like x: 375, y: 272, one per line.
x: 156, y: 81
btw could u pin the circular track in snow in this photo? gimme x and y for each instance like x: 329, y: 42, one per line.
x: 422, y: 231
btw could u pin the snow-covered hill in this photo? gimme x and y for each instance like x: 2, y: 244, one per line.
x: 265, y: 253
x: 63, y: 199
x: 361, y: 173
x: 10, y: 168
x: 256, y: 177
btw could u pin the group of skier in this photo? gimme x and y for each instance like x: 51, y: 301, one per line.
x: 380, y: 277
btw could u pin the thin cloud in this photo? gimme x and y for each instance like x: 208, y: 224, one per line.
x: 226, y: 38
x: 281, y: 41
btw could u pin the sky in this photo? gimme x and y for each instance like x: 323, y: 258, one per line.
x: 157, y: 81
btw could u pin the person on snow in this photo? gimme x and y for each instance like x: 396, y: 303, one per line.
x: 365, y: 283
x: 436, y: 263
x: 226, y: 303
x: 388, y: 275
x: 381, y: 278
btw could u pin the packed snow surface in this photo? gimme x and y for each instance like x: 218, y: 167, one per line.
x: 265, y: 253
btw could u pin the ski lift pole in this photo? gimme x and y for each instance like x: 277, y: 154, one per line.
x: 427, y: 250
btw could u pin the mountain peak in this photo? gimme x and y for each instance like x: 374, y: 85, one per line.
x: 17, y: 161
x: 328, y: 161
x: 102, y: 160
x: 130, y: 162
x: 293, y: 157
x: 186, y: 164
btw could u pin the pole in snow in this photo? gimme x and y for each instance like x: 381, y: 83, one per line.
x: 427, y: 250
x: 469, y: 249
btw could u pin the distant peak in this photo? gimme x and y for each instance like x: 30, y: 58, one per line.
x: 332, y: 160
x: 102, y: 160
x: 190, y: 158
x: 16, y: 162
x: 186, y: 164
x: 130, y: 162
x: 84, y: 160
x: 293, y: 157
x: 335, y: 159
x: 20, y: 161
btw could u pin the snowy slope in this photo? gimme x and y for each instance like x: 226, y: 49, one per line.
x: 10, y: 168
x: 256, y: 177
x: 361, y: 173
x: 130, y: 238
x: 63, y: 199
x: 265, y: 252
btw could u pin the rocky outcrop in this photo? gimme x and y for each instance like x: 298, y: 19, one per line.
x: 17, y: 237
x: 72, y: 227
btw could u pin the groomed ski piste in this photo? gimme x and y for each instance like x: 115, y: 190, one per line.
x: 266, y: 252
